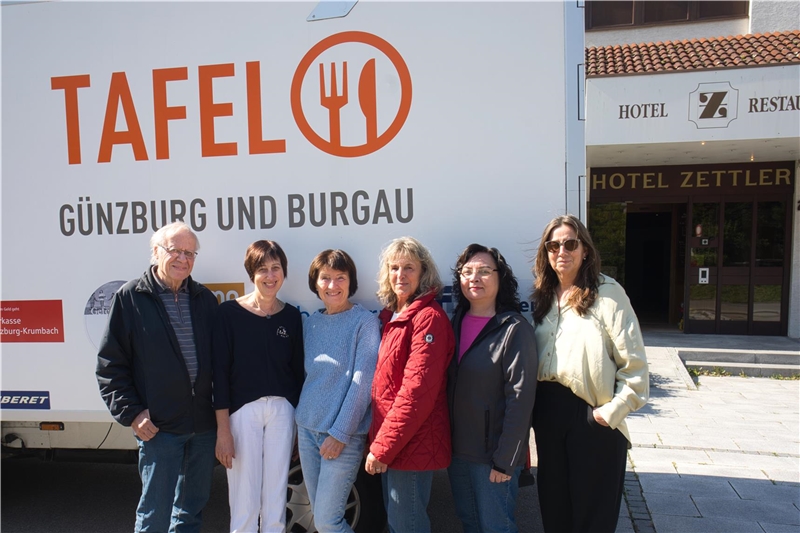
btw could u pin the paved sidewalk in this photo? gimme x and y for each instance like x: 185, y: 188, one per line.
x: 720, y: 457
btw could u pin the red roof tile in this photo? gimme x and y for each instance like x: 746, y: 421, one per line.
x: 716, y: 52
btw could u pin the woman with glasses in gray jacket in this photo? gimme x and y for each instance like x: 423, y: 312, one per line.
x: 491, y: 389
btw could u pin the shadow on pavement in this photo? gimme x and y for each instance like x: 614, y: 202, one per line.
x: 709, y: 503
x: 63, y: 497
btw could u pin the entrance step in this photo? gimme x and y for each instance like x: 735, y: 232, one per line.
x: 747, y: 369
x: 767, y: 357
x: 757, y: 363
x: 737, y: 354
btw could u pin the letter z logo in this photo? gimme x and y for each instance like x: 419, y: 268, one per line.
x: 713, y: 105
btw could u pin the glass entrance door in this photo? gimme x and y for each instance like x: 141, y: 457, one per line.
x: 737, y: 279
x: 700, y: 315
x: 770, y: 307
x: 734, y: 290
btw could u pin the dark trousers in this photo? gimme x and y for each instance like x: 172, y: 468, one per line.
x: 581, y: 464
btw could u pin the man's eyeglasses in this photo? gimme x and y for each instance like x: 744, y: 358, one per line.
x: 174, y: 252
x: 480, y: 272
x: 569, y: 245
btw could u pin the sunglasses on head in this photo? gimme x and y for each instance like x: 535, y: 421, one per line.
x: 569, y: 245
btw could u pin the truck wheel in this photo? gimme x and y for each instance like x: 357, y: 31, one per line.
x: 364, y: 510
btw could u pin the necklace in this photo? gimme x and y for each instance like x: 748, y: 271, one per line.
x: 271, y: 310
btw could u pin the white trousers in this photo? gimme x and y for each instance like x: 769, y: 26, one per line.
x: 263, y: 437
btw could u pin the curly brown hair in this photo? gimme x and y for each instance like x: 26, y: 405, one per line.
x: 507, y: 294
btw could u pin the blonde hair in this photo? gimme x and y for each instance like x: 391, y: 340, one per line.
x: 411, y: 248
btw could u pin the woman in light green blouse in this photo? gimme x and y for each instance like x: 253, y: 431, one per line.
x: 592, y: 373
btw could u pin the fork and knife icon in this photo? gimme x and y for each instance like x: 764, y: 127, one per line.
x: 334, y: 101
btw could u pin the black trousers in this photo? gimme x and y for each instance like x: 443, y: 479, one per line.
x: 581, y: 468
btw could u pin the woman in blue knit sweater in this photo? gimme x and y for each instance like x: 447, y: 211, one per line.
x: 333, y: 416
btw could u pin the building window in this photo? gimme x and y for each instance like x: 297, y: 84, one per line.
x: 602, y: 15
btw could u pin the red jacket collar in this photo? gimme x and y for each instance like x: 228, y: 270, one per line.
x: 419, y: 303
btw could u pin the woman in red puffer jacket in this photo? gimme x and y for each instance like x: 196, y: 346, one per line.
x: 410, y: 433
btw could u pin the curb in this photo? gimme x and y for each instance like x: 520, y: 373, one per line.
x: 640, y: 515
x: 680, y: 369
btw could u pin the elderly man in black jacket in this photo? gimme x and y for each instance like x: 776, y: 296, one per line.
x: 154, y: 372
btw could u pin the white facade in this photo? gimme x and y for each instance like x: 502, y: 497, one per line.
x: 794, y: 291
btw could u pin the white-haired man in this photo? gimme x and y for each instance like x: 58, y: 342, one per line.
x: 154, y: 373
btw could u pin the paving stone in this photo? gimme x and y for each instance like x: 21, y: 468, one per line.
x: 745, y: 510
x: 671, y: 504
x: 644, y: 438
x: 688, y: 485
x: 696, y: 441
x: 663, y: 466
x: 683, y: 524
x: 779, y: 528
x: 765, y: 462
x: 709, y: 415
x: 751, y: 489
x: 781, y: 432
x: 722, y: 471
x: 769, y: 445
x: 685, y: 456
x: 790, y: 475
x: 636, y: 504
x: 747, y: 424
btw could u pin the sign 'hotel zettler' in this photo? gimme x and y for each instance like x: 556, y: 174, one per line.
x: 628, y: 183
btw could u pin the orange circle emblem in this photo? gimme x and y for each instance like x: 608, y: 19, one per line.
x: 333, y: 101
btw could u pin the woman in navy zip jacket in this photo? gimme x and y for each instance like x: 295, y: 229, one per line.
x: 491, y: 389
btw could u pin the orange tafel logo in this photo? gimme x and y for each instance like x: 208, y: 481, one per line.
x: 334, y: 95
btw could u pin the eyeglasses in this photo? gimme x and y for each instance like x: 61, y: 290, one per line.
x: 484, y: 272
x: 569, y: 245
x: 174, y: 252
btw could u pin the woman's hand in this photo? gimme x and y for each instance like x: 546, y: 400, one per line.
x: 498, y: 477
x: 224, y: 449
x: 373, y: 466
x: 331, y: 448
x: 598, y: 418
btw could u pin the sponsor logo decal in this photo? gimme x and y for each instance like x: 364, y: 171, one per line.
x: 225, y: 291
x: 97, y: 308
x: 31, y: 321
x: 24, y: 399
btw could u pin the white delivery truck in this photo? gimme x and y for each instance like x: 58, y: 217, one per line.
x: 332, y: 125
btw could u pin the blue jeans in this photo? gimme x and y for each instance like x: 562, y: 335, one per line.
x: 176, y: 475
x: 406, y: 494
x: 483, y: 506
x: 328, y: 482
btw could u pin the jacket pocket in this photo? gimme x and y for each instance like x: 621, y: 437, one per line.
x: 590, y: 418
